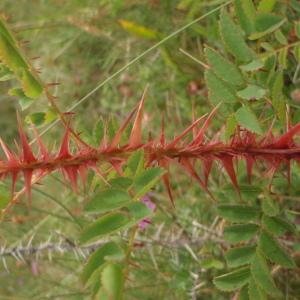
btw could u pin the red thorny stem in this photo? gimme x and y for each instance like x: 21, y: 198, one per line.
x: 243, y: 145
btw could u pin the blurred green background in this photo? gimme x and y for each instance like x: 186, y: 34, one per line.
x: 79, y: 44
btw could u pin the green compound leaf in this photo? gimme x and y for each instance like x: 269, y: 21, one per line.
x: 238, y: 213
x: 234, y: 40
x: 240, y: 256
x: 240, y: 233
x: 277, y: 225
x: 262, y: 275
x: 245, y: 11
x: 252, y: 92
x: 255, y: 291
x: 233, y: 280
x: 112, y: 281
x: 274, y: 252
x: 223, y: 68
x: 107, y: 252
x: 248, y: 119
x: 108, y: 200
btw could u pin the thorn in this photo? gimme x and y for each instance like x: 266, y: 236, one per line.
x: 27, y: 153
x: 199, y: 138
x: 184, y: 133
x: 136, y: 133
x: 115, y: 141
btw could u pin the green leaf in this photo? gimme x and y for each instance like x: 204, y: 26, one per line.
x: 123, y: 183
x: 5, y: 196
x: 240, y: 256
x: 296, y: 52
x: 245, y: 11
x: 31, y: 86
x: 5, y: 32
x: 262, y: 275
x: 233, y: 40
x: 270, y: 207
x: 255, y: 292
x: 105, y: 225
x: 274, y: 252
x: 102, y: 294
x: 105, y: 253
x: 277, y: 225
x: 247, y: 119
x: 218, y: 90
x: 252, y: 92
x: 37, y: 118
x: 108, y: 200
x: 266, y: 23
x: 277, y: 96
x: 240, y: 233
x: 243, y: 294
x: 283, y: 58
x: 12, y: 57
x: 112, y: 281
x: 238, y: 213
x: 223, y: 68
x: 266, y: 6
x: 297, y: 29
x: 138, y: 211
x: 230, y: 126
x: 135, y: 163
x: 233, y: 280
x: 252, y: 66
x: 146, y: 180
x: 24, y: 101
x: 280, y: 37
x: 212, y: 263
x: 5, y: 73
